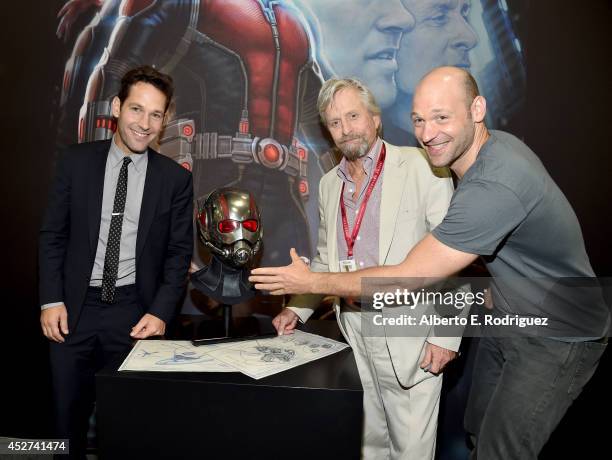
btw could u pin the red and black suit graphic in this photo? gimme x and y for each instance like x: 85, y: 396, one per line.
x: 246, y: 89
x: 86, y: 52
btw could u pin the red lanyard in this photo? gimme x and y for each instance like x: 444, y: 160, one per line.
x: 350, y: 239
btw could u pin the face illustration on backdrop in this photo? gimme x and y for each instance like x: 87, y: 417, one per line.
x: 441, y: 36
x: 360, y: 38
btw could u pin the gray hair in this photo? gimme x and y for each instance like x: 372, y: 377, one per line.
x: 331, y: 87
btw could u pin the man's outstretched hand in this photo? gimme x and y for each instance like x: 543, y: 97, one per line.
x: 295, y: 278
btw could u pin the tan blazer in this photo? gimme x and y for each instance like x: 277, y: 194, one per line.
x: 414, y: 200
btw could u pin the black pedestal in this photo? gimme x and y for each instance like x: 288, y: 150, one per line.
x: 309, y: 412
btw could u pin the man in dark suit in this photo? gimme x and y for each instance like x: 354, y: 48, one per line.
x: 115, y: 248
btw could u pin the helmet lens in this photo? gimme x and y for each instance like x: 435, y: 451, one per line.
x: 228, y: 225
x: 251, y: 225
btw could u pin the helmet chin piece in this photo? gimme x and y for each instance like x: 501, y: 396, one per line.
x: 241, y: 253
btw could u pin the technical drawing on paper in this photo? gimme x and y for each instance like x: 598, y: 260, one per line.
x: 263, y: 357
x: 172, y: 356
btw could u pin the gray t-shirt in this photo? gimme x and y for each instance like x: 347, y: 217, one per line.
x: 509, y: 210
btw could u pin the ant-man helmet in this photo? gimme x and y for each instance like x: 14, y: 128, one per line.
x: 229, y: 225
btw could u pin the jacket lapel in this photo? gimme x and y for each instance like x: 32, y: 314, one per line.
x: 394, y: 181
x: 332, y: 224
x: 150, y: 198
x: 97, y: 169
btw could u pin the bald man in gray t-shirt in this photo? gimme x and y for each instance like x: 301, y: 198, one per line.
x: 508, y: 209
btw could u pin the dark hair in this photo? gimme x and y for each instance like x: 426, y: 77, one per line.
x: 470, y: 87
x: 147, y: 74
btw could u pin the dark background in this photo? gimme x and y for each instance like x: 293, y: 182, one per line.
x: 567, y: 125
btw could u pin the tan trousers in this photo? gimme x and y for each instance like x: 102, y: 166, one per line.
x: 399, y: 423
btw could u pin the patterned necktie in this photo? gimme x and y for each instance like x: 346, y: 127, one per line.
x: 111, y: 258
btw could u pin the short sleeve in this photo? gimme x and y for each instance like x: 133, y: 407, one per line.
x: 481, y: 215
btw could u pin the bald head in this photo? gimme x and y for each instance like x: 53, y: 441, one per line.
x: 460, y: 80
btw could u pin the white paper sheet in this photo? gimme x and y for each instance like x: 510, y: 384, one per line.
x: 264, y: 357
x: 172, y: 356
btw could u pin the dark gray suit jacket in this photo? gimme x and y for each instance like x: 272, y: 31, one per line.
x: 69, y: 234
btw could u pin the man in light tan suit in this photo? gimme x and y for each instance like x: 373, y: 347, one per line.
x: 391, y: 200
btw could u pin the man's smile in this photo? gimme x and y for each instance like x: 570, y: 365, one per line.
x: 139, y: 134
x: 436, y: 147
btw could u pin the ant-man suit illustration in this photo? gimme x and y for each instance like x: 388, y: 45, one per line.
x: 245, y: 103
x: 89, y: 44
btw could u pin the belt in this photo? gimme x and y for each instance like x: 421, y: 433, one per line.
x: 181, y: 141
x: 98, y: 289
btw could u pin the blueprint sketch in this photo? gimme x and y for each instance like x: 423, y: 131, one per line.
x: 263, y: 357
x: 172, y: 356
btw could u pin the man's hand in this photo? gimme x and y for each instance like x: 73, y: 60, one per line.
x: 291, y: 279
x: 285, y: 322
x: 147, y: 326
x: 436, y: 358
x: 54, y: 322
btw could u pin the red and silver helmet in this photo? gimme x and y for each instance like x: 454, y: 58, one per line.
x: 229, y: 225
